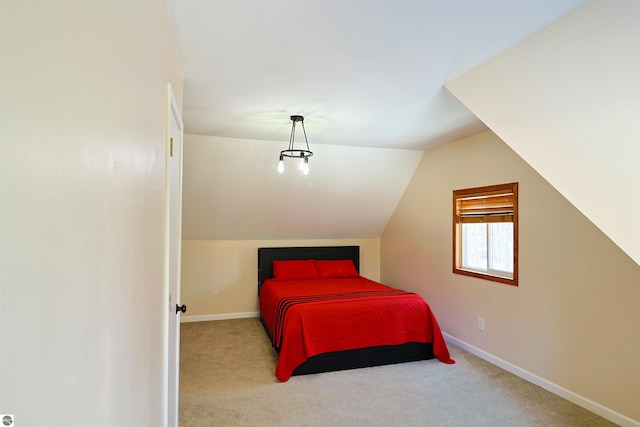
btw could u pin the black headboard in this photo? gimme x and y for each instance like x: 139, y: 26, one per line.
x: 267, y: 255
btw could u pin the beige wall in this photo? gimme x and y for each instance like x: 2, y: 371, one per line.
x: 567, y: 100
x: 231, y: 267
x: 575, y: 318
x: 82, y: 186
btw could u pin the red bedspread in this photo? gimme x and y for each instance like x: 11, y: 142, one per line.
x: 365, y: 314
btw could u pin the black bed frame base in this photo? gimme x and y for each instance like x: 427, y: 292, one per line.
x: 365, y: 358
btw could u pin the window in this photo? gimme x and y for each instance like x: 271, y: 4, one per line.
x: 485, y: 232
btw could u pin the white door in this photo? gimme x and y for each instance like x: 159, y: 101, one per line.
x: 174, y: 234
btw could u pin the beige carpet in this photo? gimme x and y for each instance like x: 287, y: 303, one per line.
x: 227, y: 379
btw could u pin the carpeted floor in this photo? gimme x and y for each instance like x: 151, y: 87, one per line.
x: 227, y: 379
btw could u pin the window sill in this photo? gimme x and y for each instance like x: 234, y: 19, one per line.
x: 480, y: 275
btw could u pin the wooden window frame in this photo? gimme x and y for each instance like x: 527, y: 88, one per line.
x: 498, y: 210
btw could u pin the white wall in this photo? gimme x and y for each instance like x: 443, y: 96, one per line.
x: 567, y: 100
x: 83, y: 129
x: 231, y: 268
x: 574, y: 319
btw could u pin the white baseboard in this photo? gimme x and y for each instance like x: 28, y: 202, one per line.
x: 224, y: 316
x: 581, y: 401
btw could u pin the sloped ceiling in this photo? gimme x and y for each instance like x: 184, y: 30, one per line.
x: 365, y: 74
x: 567, y: 100
x: 232, y: 190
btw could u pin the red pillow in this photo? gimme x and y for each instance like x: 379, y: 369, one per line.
x: 328, y: 269
x: 294, y: 270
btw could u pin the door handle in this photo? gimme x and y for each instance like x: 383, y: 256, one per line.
x: 181, y: 309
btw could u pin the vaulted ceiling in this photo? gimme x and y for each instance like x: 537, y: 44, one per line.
x: 363, y: 73
x: 369, y: 77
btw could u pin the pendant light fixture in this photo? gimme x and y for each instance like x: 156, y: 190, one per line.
x: 291, y: 152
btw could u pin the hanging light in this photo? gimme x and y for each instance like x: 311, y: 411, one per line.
x: 294, y: 153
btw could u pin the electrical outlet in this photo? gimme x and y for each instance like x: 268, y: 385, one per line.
x: 481, y: 323
x: 216, y: 294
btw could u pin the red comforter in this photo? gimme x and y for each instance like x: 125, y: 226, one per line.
x: 305, y: 319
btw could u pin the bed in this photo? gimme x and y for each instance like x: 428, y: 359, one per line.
x: 322, y: 316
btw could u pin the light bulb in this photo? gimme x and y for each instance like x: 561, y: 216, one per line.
x: 302, y: 159
x: 281, y: 166
x: 305, y: 167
